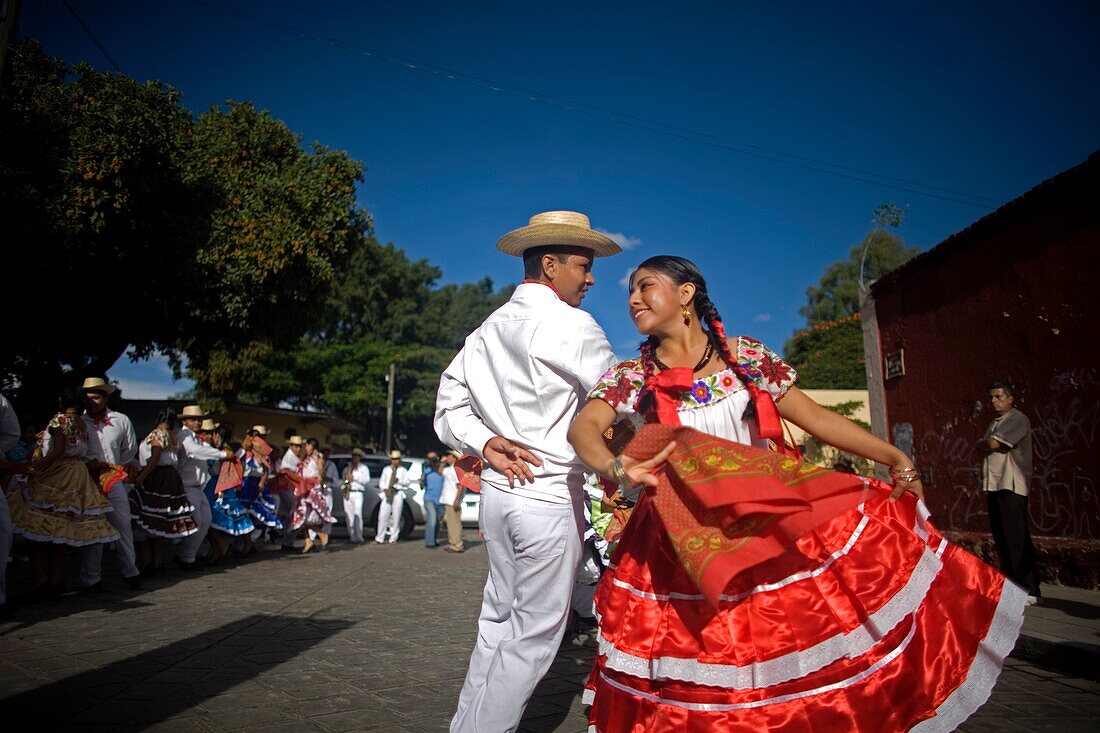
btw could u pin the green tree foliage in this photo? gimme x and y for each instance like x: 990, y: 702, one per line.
x: 837, y: 295
x: 91, y: 197
x: 284, y: 223
x: 212, y: 238
x: 384, y: 310
x: 828, y: 353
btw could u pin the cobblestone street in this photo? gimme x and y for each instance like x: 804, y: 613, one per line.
x: 361, y: 638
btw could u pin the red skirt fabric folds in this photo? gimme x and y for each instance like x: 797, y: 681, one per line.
x: 867, y: 620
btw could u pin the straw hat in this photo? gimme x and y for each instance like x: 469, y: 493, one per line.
x: 208, y: 426
x: 359, y: 452
x: 455, y: 453
x: 296, y: 440
x: 261, y: 429
x: 95, y: 384
x: 562, y: 228
x: 192, y: 412
x: 395, y: 454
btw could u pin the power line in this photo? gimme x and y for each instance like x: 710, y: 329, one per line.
x: 744, y: 148
x: 91, y: 35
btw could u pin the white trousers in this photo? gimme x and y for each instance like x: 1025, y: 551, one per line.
x: 91, y: 565
x: 353, y: 514
x: 389, y: 517
x: 201, y: 515
x: 5, y: 546
x: 534, y: 549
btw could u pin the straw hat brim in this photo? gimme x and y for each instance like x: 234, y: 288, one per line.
x: 105, y: 388
x: 518, y: 241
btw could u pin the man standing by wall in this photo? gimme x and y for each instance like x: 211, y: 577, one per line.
x: 111, y: 439
x: 509, y: 397
x: 1006, y: 478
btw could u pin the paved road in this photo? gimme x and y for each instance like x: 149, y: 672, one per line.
x: 360, y: 638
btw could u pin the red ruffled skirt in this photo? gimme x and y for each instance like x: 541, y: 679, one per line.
x: 879, y: 625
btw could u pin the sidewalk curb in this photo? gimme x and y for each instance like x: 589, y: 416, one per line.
x: 1072, y: 658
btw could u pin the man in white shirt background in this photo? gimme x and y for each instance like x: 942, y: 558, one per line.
x: 451, y: 500
x: 194, y: 471
x: 509, y: 397
x: 111, y: 439
x: 391, y: 490
x: 356, y: 478
x: 289, y: 465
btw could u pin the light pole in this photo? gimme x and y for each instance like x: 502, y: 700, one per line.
x: 390, y: 379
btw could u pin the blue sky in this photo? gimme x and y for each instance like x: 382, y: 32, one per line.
x: 985, y: 99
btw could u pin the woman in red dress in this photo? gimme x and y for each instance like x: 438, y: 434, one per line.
x: 725, y: 609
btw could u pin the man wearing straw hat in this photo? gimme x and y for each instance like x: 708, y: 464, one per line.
x: 111, y: 439
x: 509, y: 397
x: 288, y: 466
x: 194, y: 470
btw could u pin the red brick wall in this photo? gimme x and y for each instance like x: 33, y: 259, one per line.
x: 1013, y: 297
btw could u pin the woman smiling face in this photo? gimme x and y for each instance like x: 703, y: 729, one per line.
x: 656, y: 302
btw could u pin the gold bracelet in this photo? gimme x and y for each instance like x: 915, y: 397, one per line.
x: 907, y: 474
x: 619, y: 473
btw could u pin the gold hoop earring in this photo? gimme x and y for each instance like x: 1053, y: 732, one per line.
x: 687, y: 317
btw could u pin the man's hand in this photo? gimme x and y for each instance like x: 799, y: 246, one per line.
x: 510, y: 460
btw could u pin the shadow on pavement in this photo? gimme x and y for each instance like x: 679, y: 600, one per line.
x: 1076, y: 609
x: 557, y: 697
x: 140, y: 691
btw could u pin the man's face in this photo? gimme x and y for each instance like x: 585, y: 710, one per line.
x: 192, y: 422
x: 296, y: 449
x: 96, y: 402
x: 1001, y: 401
x: 571, y: 278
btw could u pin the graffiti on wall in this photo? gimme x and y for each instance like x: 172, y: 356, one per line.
x: 1063, y: 502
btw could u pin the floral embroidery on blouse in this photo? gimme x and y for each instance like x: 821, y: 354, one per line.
x: 72, y: 430
x: 619, y: 386
x: 165, y: 438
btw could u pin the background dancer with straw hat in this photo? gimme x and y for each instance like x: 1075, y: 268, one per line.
x: 195, y: 471
x: 111, y: 439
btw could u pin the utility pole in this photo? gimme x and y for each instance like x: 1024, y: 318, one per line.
x: 9, y: 16
x: 391, y: 378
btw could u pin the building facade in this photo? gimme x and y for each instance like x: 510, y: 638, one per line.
x: 1012, y: 297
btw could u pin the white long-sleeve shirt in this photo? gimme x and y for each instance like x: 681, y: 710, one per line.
x: 360, y: 476
x: 194, y: 455
x: 167, y: 457
x: 524, y: 374
x: 387, y: 475
x: 111, y: 437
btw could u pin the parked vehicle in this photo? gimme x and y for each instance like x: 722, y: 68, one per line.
x: 412, y: 512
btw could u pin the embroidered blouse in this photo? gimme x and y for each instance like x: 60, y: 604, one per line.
x: 716, y: 403
x: 73, y: 433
